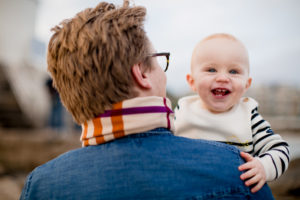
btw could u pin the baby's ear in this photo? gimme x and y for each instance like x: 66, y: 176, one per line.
x: 248, y: 84
x: 190, y: 81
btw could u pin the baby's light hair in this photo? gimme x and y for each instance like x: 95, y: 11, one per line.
x: 220, y: 35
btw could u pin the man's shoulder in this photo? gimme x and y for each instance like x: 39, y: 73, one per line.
x: 44, y: 178
x: 155, y: 137
x: 182, y: 148
x: 60, y: 160
x: 216, y: 152
x: 152, y: 161
x: 141, y: 142
x: 162, y: 145
x: 201, y: 145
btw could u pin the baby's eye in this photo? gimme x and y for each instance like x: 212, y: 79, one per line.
x: 233, y: 71
x: 211, y: 70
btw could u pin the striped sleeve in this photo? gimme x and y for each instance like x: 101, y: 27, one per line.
x: 269, y: 147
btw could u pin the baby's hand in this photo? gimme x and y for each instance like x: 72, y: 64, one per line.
x: 255, y: 172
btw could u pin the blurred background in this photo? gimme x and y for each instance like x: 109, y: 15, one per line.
x: 34, y: 126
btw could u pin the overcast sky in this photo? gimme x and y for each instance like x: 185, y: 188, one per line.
x: 270, y: 29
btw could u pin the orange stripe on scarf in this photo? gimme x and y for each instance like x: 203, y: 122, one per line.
x: 117, y: 122
x: 98, y: 130
x: 97, y: 127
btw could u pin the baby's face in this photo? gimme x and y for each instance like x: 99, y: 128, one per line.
x: 220, y: 73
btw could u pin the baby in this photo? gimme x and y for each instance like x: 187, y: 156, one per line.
x: 220, y: 76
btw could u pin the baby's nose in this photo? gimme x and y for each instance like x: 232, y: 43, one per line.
x: 222, y: 77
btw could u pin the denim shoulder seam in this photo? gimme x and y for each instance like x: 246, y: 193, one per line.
x: 158, y: 131
x: 153, y: 132
x: 28, y: 185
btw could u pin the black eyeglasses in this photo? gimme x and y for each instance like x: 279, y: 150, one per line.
x: 162, y: 59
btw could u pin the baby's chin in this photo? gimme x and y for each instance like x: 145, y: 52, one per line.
x: 217, y: 110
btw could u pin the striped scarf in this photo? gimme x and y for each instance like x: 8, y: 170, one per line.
x: 128, y: 117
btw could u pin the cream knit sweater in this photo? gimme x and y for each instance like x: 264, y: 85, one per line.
x: 242, y: 126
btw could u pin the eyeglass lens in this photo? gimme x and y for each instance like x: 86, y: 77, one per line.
x: 162, y: 61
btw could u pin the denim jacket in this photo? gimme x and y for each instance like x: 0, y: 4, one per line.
x: 151, y: 165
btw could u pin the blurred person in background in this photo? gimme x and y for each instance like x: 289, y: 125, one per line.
x: 56, y: 119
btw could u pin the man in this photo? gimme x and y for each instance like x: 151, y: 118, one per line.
x: 107, y: 74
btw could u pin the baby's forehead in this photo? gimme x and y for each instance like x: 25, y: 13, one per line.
x: 220, y: 46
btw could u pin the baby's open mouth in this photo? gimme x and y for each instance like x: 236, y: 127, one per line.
x: 221, y: 91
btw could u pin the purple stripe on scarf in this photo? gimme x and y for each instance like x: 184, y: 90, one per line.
x: 136, y: 110
x: 168, y: 114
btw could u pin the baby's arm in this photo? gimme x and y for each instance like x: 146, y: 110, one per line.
x: 269, y: 150
x: 255, y: 172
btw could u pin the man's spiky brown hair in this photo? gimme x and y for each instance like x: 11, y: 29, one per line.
x: 90, y: 57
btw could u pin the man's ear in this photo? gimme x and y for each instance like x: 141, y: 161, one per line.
x: 140, y: 77
x: 190, y: 81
